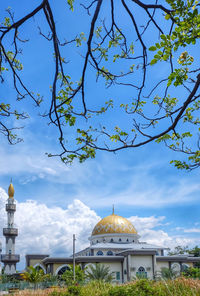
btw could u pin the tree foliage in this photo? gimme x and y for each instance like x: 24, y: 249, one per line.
x: 33, y: 275
x: 192, y: 272
x: 99, y: 272
x: 143, y: 60
x: 179, y: 250
x: 168, y: 274
x: 68, y: 276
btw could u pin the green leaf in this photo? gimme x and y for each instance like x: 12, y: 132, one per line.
x: 70, y: 3
x: 152, y: 48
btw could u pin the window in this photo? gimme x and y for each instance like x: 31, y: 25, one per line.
x: 62, y: 270
x: 39, y: 268
x: 141, y: 269
x: 99, y: 253
x: 141, y: 273
x: 127, y: 240
x: 133, y: 241
x: 118, y: 276
x: 48, y: 268
x: 97, y: 241
x: 109, y: 253
x: 111, y: 240
x: 184, y: 267
x: 120, y: 239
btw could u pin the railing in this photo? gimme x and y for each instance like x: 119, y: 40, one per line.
x: 25, y: 285
x: 10, y: 257
x: 10, y: 207
x: 10, y: 231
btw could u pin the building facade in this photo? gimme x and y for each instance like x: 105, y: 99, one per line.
x: 115, y: 243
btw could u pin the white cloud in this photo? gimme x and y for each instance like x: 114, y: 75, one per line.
x: 120, y: 183
x: 49, y: 230
x: 192, y: 230
x: 145, y: 227
x: 146, y: 222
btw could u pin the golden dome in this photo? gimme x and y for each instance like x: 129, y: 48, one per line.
x: 114, y: 224
x: 11, y: 191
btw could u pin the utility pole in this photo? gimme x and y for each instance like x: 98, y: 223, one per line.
x: 74, y: 275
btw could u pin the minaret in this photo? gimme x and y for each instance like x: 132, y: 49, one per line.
x: 10, y: 233
x: 0, y: 253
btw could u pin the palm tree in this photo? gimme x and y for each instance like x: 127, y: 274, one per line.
x: 99, y: 272
x: 33, y: 275
x: 168, y: 274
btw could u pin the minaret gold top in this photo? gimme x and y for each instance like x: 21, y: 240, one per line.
x: 11, y: 191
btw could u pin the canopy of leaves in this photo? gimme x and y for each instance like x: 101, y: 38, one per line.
x: 145, y: 72
x: 68, y: 277
x: 99, y: 272
x: 33, y: 275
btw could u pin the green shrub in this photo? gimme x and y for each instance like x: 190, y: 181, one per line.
x: 74, y: 290
x: 59, y: 293
x: 96, y: 288
x: 118, y: 291
x: 68, y: 276
x: 192, y: 272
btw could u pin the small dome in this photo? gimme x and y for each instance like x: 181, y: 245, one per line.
x: 11, y: 191
x: 114, y: 224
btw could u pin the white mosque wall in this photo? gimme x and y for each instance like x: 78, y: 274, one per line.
x: 115, y: 268
x: 160, y: 265
x: 114, y: 238
x: 136, y: 262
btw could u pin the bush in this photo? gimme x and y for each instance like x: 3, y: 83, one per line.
x: 192, y: 272
x: 96, y: 288
x: 118, y: 291
x: 68, y: 276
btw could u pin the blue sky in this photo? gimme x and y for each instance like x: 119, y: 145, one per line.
x: 143, y: 186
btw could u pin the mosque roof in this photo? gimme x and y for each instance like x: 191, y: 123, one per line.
x: 114, y: 224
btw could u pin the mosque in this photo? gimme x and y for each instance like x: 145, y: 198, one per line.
x: 114, y: 242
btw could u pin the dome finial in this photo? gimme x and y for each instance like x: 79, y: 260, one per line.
x: 113, y: 212
x: 11, y: 190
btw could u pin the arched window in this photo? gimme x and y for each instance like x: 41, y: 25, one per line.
x: 127, y: 240
x: 97, y: 241
x: 133, y: 241
x: 176, y: 267
x: 141, y: 269
x: 120, y: 239
x: 38, y: 267
x: 184, y: 267
x: 141, y: 273
x: 62, y: 269
x: 109, y: 253
x: 111, y: 240
x: 99, y: 253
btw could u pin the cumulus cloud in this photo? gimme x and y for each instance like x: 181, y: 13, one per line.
x: 49, y: 230
x: 146, y: 229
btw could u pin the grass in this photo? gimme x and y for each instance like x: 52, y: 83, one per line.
x: 178, y: 287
